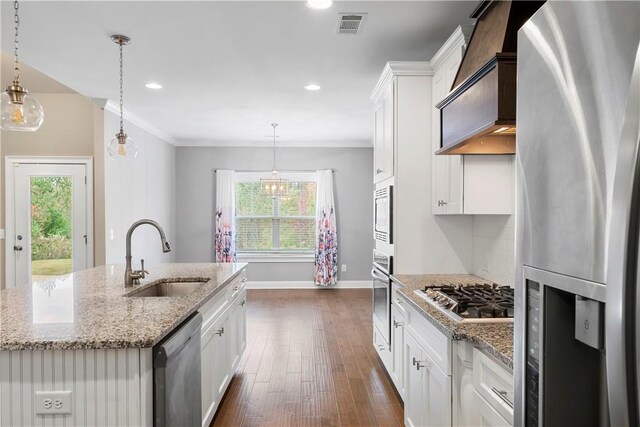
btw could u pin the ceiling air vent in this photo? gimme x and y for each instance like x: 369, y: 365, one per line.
x: 351, y: 23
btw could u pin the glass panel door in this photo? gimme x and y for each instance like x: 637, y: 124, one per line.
x: 50, y: 221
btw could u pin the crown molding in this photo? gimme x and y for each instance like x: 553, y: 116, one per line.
x: 459, y: 38
x: 400, y: 68
x: 134, y: 119
x: 281, y: 144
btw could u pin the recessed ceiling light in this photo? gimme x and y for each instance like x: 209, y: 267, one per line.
x: 319, y: 4
x: 312, y: 87
x: 152, y: 85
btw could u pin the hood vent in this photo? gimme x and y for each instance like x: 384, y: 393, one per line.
x: 479, y: 114
x: 351, y: 23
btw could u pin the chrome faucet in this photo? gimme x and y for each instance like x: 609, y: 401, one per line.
x: 133, y: 277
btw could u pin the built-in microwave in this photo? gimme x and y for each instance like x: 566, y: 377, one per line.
x: 383, y: 214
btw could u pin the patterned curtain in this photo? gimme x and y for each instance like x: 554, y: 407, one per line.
x: 326, y: 265
x: 225, y: 240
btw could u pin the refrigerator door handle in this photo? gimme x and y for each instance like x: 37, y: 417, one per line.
x: 623, y: 272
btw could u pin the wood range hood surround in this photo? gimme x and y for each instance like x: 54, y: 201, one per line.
x: 479, y: 114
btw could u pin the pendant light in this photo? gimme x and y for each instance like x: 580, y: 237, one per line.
x: 122, y: 147
x: 20, y: 111
x: 275, y: 186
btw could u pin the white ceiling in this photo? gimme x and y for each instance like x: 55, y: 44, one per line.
x: 230, y: 68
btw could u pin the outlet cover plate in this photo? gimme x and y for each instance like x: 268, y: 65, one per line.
x: 52, y: 402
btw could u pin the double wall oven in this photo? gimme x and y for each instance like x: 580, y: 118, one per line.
x: 382, y: 269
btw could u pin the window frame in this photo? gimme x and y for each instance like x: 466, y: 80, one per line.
x: 276, y: 255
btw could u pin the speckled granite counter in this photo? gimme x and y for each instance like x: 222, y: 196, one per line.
x: 495, y: 338
x: 88, y: 309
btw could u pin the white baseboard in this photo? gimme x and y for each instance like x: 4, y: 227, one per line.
x: 342, y: 284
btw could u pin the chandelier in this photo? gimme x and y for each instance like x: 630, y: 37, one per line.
x: 274, y: 186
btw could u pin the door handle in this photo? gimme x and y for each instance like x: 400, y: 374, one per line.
x: 17, y: 248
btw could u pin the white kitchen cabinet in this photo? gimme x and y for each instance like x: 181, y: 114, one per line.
x: 384, y: 134
x: 428, y: 388
x: 223, y: 342
x: 493, y: 385
x: 397, y: 349
x: 464, y: 184
x: 447, y: 191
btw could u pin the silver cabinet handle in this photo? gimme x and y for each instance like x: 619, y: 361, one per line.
x: 235, y: 288
x: 243, y: 302
x: 219, y: 332
x: 17, y: 248
x: 442, y: 203
x: 419, y: 365
x: 378, y: 171
x: 397, y: 324
x: 414, y: 361
x: 398, y: 301
x: 503, y: 396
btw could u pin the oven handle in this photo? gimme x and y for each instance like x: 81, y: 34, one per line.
x: 377, y: 276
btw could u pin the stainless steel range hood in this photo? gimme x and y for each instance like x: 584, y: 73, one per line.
x: 479, y: 114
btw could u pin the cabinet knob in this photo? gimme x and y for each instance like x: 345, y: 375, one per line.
x: 378, y: 171
x: 243, y: 302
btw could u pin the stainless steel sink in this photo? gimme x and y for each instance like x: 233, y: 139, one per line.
x: 167, y: 289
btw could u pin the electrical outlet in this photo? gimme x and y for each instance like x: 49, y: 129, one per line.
x: 53, y: 402
x: 344, y: 267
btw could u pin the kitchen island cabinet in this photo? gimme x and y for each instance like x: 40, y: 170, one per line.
x: 79, y: 337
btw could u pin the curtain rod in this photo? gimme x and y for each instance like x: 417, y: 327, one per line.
x: 269, y: 171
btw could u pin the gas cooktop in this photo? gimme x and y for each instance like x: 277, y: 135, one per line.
x: 478, y: 303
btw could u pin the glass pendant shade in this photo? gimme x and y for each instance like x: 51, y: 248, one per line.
x: 23, y: 114
x: 122, y: 147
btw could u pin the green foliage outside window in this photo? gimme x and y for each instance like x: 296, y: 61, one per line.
x: 51, y: 220
x: 281, y: 224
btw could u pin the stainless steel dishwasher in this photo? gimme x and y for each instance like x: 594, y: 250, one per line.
x: 176, y: 376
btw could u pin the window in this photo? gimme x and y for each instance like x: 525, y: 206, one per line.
x: 281, y: 225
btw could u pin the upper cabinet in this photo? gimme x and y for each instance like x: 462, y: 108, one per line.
x: 481, y: 185
x: 384, y: 135
x: 447, y: 183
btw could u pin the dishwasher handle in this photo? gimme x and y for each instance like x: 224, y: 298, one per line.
x: 180, y: 337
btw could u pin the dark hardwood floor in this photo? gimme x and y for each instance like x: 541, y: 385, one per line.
x: 310, y: 361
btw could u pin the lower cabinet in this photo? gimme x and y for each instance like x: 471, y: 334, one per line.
x: 428, y: 389
x: 397, y: 349
x: 222, y: 344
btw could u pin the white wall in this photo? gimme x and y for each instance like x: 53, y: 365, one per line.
x: 493, y: 247
x: 143, y: 188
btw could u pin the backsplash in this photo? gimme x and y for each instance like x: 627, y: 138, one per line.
x: 493, y: 248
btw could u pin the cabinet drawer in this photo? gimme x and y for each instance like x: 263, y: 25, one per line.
x: 486, y: 415
x: 397, y: 300
x: 238, y: 285
x: 214, y: 307
x: 494, y: 383
x: 434, y: 343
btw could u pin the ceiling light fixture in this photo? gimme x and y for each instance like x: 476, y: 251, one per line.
x: 312, y: 87
x: 152, y: 85
x: 20, y: 111
x: 319, y: 4
x: 122, y: 147
x: 275, y: 186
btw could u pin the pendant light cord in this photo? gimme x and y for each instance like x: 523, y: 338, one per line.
x: 121, y: 92
x: 16, y: 62
x: 274, y: 125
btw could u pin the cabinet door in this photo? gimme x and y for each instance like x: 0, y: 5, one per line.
x: 438, y: 394
x: 378, y: 142
x: 440, y: 175
x: 208, y: 388
x: 397, y: 349
x: 221, y: 364
x: 241, y: 329
x: 232, y: 337
x: 414, y: 401
x: 389, y: 132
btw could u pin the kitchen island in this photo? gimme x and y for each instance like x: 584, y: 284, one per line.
x: 81, y: 337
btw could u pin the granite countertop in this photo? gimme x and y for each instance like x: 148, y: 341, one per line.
x: 495, y: 338
x: 88, y: 309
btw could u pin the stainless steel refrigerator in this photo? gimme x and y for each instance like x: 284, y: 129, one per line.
x: 577, y: 326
